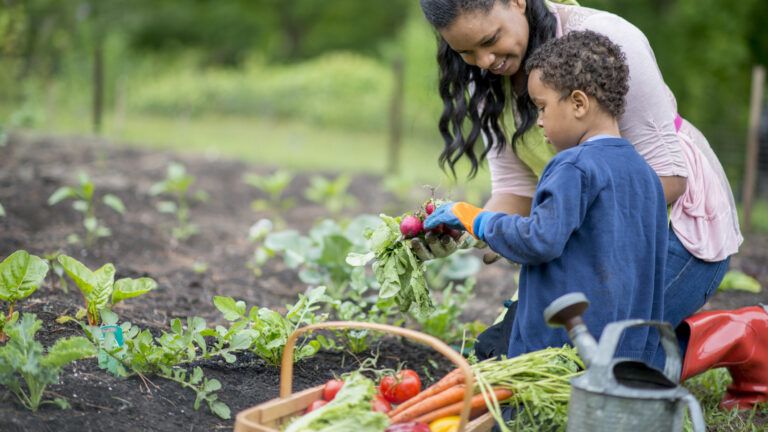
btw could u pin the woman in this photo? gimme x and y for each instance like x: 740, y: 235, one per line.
x: 482, y: 47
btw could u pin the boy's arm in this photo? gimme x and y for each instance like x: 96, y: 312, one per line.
x: 562, y: 199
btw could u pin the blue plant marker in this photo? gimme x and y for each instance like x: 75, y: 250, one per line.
x: 115, y: 331
x: 111, y: 339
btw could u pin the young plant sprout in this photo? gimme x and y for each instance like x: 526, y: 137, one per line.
x: 273, y: 186
x: 24, y: 368
x: 177, y: 183
x: 83, y: 194
x: 21, y: 274
x: 331, y: 194
x: 99, y: 288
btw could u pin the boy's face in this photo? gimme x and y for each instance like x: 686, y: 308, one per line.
x: 557, y: 115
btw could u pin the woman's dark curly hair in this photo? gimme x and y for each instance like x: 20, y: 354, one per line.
x: 469, y: 92
x: 586, y: 61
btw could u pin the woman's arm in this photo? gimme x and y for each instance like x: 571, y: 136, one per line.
x: 509, y: 203
x: 674, y: 186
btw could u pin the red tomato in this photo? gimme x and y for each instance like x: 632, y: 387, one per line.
x: 315, y: 405
x: 398, y: 389
x: 331, y: 388
x: 380, y: 404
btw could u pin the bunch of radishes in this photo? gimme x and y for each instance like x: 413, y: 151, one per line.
x: 412, y: 224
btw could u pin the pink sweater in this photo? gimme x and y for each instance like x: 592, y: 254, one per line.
x: 704, y: 217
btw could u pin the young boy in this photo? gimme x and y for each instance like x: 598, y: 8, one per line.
x: 598, y: 223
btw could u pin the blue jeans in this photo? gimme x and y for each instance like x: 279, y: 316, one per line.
x: 688, y: 281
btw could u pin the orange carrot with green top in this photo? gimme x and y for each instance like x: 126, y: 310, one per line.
x: 439, y: 400
x: 455, y: 409
x: 450, y: 380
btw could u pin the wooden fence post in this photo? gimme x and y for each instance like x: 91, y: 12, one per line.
x: 750, y: 163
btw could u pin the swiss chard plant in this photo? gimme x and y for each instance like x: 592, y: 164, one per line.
x: 99, y: 288
x: 58, y: 276
x: 21, y: 274
x: 331, y: 194
x: 26, y: 369
x: 84, y: 202
x: 177, y: 184
x: 273, y: 329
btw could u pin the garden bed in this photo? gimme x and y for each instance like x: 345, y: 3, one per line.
x: 189, y: 273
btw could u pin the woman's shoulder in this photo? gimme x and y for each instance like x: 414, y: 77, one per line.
x: 577, y: 18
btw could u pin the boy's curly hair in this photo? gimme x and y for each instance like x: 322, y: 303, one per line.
x: 586, y: 61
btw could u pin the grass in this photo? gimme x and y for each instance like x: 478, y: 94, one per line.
x: 708, y: 388
x: 287, y: 144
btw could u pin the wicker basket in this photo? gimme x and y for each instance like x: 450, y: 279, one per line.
x: 272, y: 415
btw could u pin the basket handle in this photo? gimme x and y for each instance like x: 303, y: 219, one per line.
x: 286, y: 370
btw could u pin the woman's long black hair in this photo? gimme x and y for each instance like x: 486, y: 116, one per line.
x: 468, y: 91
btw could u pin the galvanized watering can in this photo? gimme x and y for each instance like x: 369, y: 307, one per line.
x: 621, y: 394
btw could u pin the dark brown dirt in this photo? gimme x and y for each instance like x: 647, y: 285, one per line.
x: 32, y: 167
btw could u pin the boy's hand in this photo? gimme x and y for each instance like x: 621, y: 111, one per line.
x: 458, y: 215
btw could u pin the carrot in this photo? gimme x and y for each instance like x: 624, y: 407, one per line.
x: 449, y: 380
x: 478, y: 403
x: 439, y: 400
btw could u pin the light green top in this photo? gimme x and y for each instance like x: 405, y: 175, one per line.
x: 533, y: 150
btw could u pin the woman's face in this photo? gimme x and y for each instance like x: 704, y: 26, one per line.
x: 496, y: 41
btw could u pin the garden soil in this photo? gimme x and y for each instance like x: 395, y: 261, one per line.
x: 33, y: 166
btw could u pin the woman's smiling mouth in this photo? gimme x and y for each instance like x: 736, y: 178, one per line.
x: 499, y: 67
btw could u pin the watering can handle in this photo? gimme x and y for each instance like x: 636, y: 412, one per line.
x: 610, y: 340
x: 694, y: 409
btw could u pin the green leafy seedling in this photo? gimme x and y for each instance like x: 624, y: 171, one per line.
x: 99, y: 288
x: 2, y: 210
x: 274, y: 186
x: 26, y: 370
x: 177, y: 184
x: 272, y: 328
x: 331, y: 194
x: 21, y: 274
x: 83, y: 194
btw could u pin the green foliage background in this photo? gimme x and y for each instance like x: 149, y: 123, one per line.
x: 324, y: 63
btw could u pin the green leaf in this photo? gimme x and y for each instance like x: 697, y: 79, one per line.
x: 90, y: 283
x: 212, y: 385
x: 67, y: 350
x: 2, y: 210
x: 61, y: 194
x: 220, y: 409
x: 231, y: 309
x: 359, y: 260
x: 20, y: 275
x: 128, y: 288
x: 736, y: 280
x: 114, y: 203
x: 81, y: 206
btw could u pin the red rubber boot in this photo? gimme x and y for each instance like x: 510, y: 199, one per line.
x: 734, y: 339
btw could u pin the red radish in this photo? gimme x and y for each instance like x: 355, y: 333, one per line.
x: 331, y: 388
x: 411, y: 226
x: 408, y: 427
x: 429, y: 207
x: 315, y: 405
x: 380, y: 404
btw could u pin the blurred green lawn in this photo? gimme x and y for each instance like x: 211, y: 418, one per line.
x: 285, y: 144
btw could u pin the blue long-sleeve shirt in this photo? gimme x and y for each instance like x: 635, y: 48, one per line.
x: 598, y: 225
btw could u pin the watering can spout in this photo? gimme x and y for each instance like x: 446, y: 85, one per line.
x: 566, y: 311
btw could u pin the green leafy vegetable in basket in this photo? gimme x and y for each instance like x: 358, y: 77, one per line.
x: 349, y: 411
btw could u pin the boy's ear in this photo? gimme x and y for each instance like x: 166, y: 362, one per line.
x: 580, y: 103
